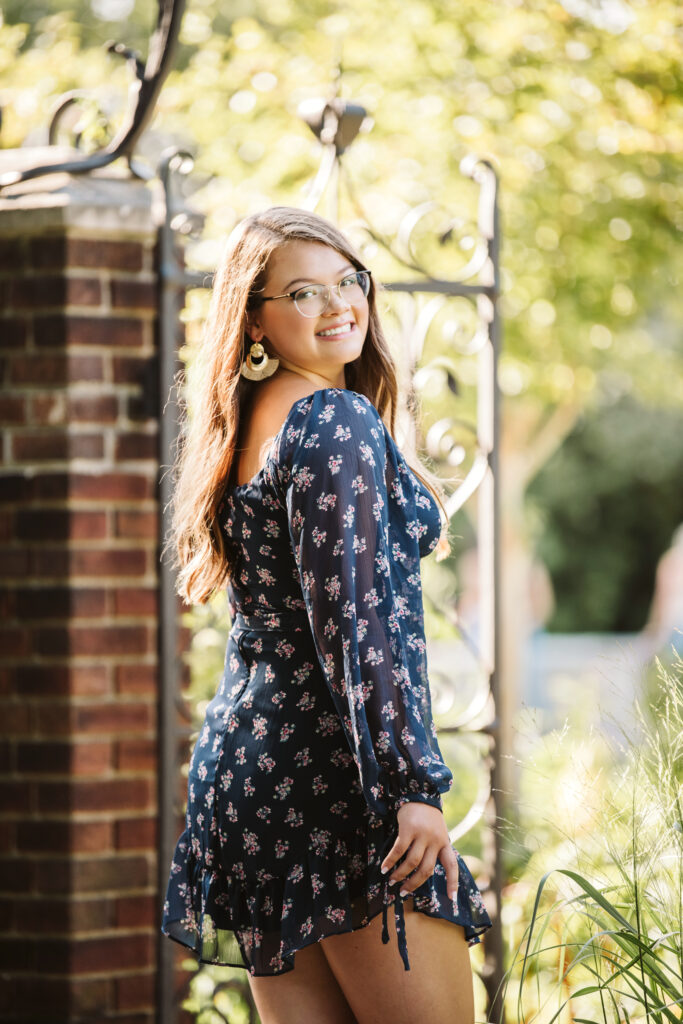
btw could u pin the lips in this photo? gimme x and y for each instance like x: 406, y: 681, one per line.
x: 341, y: 328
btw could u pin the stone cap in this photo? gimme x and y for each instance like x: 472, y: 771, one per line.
x: 107, y: 199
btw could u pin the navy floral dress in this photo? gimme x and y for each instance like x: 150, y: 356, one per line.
x: 321, y: 727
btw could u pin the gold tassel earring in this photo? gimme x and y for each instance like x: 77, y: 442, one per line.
x: 258, y: 365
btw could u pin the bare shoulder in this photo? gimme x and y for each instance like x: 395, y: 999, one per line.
x: 273, y: 403
x: 269, y: 410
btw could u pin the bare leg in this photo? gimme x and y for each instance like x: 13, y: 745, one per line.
x: 308, y: 993
x: 437, y: 988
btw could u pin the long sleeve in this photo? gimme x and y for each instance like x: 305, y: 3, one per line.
x: 357, y: 538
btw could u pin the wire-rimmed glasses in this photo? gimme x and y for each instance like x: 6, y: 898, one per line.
x: 313, y: 299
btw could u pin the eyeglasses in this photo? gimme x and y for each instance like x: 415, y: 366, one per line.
x: 313, y: 299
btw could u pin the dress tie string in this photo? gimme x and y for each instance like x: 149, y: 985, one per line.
x: 394, y: 896
x: 400, y: 922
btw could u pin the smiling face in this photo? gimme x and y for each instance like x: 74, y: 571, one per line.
x: 323, y: 344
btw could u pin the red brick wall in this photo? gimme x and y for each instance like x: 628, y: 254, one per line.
x: 78, y: 647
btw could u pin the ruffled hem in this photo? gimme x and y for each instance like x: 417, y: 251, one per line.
x: 260, y: 923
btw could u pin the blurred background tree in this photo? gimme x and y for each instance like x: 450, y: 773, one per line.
x: 578, y: 104
x: 618, y: 473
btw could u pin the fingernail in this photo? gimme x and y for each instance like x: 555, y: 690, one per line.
x: 404, y: 892
x: 384, y: 870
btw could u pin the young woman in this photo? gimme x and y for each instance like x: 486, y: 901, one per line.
x: 314, y: 797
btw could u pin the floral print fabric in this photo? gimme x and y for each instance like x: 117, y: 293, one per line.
x: 321, y: 727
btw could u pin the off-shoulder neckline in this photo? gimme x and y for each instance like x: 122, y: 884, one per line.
x: 273, y: 447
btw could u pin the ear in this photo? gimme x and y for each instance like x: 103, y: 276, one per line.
x: 254, y: 329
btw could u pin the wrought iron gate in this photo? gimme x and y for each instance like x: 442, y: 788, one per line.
x: 336, y: 124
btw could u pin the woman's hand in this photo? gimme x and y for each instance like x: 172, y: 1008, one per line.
x: 423, y: 837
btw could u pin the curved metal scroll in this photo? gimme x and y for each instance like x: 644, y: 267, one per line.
x: 478, y: 281
x: 142, y: 97
x: 336, y: 123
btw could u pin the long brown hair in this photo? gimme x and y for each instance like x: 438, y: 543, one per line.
x: 208, y: 441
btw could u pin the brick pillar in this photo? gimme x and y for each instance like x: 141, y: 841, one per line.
x: 79, y: 913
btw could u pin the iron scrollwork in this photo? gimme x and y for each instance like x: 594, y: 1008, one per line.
x: 455, y: 440
x: 148, y: 80
x: 468, y: 443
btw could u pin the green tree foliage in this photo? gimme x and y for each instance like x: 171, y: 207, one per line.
x: 618, y: 473
x: 582, y: 116
x: 578, y: 104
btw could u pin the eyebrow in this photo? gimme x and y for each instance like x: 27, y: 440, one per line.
x: 308, y: 280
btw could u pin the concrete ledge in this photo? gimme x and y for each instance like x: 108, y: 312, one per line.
x: 107, y: 200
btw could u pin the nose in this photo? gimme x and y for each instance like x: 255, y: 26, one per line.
x: 336, y: 301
